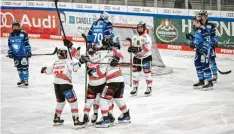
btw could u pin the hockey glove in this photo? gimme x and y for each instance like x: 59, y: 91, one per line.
x: 107, y: 44
x: 115, y: 61
x: 67, y: 43
x: 29, y: 54
x: 43, y: 70
x: 192, y: 45
x: 84, y: 59
x: 189, y: 36
x: 134, y: 49
x: 129, y: 39
x: 10, y: 54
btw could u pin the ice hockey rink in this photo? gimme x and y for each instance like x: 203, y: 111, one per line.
x: 174, y: 107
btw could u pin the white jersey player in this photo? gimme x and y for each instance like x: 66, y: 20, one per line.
x: 141, y: 48
x: 114, y: 87
x: 62, y: 70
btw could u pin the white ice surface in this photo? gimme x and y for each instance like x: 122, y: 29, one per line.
x: 174, y: 107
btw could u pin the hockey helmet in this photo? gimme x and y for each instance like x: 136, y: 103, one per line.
x: 62, y: 53
x: 16, y: 23
x: 104, y: 15
x: 143, y: 25
x: 203, y: 12
x: 91, y: 48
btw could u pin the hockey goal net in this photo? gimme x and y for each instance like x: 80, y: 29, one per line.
x: 124, y: 31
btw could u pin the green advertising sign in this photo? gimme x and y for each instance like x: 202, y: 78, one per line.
x: 172, y: 31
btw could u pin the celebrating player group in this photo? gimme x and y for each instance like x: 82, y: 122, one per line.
x: 105, y: 88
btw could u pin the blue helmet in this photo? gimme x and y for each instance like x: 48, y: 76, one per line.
x: 203, y: 12
x: 104, y: 15
x: 16, y: 23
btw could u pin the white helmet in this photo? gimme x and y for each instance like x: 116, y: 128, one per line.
x: 104, y: 15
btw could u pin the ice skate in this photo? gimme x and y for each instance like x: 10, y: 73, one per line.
x: 85, y: 120
x: 148, y: 92
x: 134, y: 91
x: 20, y: 82
x: 124, y: 118
x: 103, y: 123
x: 26, y: 83
x: 94, y: 118
x: 199, y: 84
x: 112, y: 118
x: 57, y: 120
x: 215, y: 77
x: 77, y: 123
x: 208, y: 86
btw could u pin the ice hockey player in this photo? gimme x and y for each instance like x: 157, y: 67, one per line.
x: 141, y: 48
x: 211, y: 28
x: 62, y: 70
x: 96, y: 83
x: 114, y: 88
x: 20, y: 51
x: 201, y: 43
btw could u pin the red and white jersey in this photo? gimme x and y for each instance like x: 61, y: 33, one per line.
x: 74, y: 53
x: 62, y: 70
x: 145, y: 42
x: 113, y: 74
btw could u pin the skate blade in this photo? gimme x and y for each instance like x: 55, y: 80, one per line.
x: 147, y: 95
x: 206, y: 89
x: 125, y: 121
x: 58, y: 124
x: 79, y: 126
x: 134, y: 95
x: 103, y: 126
x: 200, y: 87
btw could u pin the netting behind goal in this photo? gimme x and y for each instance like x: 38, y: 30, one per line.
x: 124, y: 31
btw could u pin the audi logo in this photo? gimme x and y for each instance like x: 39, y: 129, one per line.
x: 6, y: 19
x: 166, y: 11
x: 230, y: 14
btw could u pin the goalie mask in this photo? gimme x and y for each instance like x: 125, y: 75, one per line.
x: 141, y: 27
x: 62, y: 53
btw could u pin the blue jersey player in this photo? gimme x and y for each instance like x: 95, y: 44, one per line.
x: 20, y: 51
x: 101, y: 30
x: 201, y: 42
x: 211, y: 28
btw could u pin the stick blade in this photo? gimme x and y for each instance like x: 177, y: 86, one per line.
x: 227, y: 72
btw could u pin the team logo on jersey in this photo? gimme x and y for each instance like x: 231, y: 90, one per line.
x: 166, y: 31
x: 21, y: 35
x: 15, y: 47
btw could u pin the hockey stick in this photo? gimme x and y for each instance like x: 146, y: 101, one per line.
x: 86, y: 46
x: 61, y: 25
x: 224, y: 72
x: 53, y: 53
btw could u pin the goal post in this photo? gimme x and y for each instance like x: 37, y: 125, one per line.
x: 124, y: 31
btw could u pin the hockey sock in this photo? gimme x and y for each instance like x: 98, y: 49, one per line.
x: 88, y: 106
x: 59, y: 108
x: 148, y: 79
x: 121, y: 104
x: 74, y: 108
x: 135, y: 80
x: 104, y: 105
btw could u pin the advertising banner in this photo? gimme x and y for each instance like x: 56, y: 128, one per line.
x: 32, y: 21
x: 76, y: 23
x: 172, y: 31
